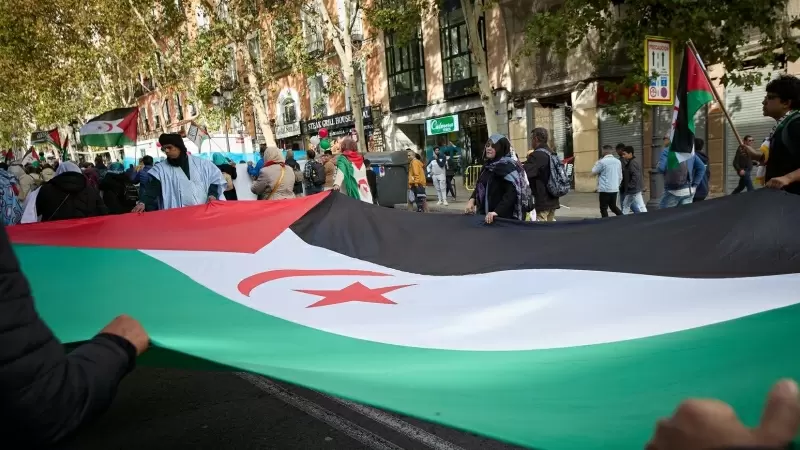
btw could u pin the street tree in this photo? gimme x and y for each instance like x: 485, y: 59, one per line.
x: 610, y: 35
x: 403, y: 17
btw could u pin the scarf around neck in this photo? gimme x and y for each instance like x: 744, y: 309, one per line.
x: 505, y: 168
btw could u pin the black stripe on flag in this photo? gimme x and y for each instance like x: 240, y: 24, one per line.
x: 748, y: 235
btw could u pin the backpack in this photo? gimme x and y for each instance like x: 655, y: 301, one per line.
x: 559, y: 183
x: 317, y: 173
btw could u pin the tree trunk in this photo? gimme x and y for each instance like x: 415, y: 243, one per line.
x: 255, y: 95
x: 471, y: 15
x: 343, y: 43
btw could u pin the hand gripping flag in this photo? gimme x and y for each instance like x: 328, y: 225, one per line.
x: 566, y: 336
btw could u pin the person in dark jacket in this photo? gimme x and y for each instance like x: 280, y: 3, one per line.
x: 743, y: 165
x: 703, y: 187
x: 537, y: 168
x: 633, y: 183
x: 372, y: 180
x: 68, y: 196
x: 499, y: 189
x: 48, y: 394
x: 298, y: 174
x: 114, y: 187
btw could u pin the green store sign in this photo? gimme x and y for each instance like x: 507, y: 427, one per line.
x: 442, y: 125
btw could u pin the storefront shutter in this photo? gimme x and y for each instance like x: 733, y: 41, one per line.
x: 559, y: 131
x: 611, y: 132
x: 747, y: 116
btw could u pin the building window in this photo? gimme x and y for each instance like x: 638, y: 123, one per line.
x: 178, y: 107
x: 201, y: 18
x: 254, y: 46
x: 281, y: 40
x: 232, y: 72
x: 457, y: 62
x: 289, y: 111
x: 165, y: 112
x: 405, y: 65
x: 361, y: 88
x: 156, y: 117
x: 192, y: 110
x: 143, y: 118
x: 312, y: 33
x: 318, y: 96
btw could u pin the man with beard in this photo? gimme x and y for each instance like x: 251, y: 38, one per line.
x: 181, y: 180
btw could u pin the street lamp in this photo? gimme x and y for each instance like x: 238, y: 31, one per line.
x: 223, y: 101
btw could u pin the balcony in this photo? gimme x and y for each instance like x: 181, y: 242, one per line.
x: 461, y: 88
x: 145, y: 87
x: 407, y: 101
x: 315, y: 45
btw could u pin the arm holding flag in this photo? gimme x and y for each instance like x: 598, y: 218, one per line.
x: 661, y: 167
x: 47, y: 394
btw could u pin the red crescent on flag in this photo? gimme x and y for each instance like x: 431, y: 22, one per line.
x: 247, y: 285
x: 110, y: 126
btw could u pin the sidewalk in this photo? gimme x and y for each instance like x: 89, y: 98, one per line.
x: 573, y: 205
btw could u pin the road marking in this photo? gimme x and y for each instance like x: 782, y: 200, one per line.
x: 356, y: 432
x: 399, y: 425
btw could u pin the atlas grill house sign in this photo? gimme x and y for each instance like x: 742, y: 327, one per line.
x: 338, y: 121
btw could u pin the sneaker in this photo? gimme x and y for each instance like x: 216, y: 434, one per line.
x: 440, y: 203
x: 446, y: 204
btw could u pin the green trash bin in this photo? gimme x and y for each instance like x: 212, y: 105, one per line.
x: 391, y: 172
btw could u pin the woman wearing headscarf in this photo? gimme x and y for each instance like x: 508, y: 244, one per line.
x: 351, y: 174
x: 9, y: 204
x: 275, y: 181
x: 67, y: 196
x: 502, y: 189
x: 48, y: 173
x: 228, y: 172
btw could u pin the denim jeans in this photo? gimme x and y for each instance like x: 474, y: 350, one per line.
x: 670, y: 201
x: 633, y: 202
x: 745, y: 181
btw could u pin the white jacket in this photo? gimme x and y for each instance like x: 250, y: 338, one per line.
x: 434, y: 169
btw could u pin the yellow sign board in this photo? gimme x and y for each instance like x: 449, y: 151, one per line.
x: 660, y: 66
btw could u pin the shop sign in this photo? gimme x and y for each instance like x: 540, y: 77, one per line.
x: 338, y: 121
x: 288, y: 130
x: 442, y: 125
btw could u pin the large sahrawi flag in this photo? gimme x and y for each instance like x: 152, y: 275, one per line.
x: 112, y: 129
x: 694, y: 92
x: 555, y: 336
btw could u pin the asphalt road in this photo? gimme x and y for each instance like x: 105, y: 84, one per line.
x: 184, y: 409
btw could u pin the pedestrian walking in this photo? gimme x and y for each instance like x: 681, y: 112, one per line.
x: 743, y: 165
x: 537, y: 168
x: 633, y: 182
x: 438, y: 170
x: 609, y: 177
x: 680, y: 183
x: 416, y: 180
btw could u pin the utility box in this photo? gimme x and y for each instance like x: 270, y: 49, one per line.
x: 391, y: 173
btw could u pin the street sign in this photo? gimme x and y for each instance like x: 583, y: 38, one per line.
x: 442, y: 125
x: 659, y: 64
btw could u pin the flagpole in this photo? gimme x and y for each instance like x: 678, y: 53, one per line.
x: 716, y: 94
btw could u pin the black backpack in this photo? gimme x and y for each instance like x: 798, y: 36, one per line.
x: 317, y: 173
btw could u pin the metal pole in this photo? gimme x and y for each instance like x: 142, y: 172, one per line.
x: 227, y: 139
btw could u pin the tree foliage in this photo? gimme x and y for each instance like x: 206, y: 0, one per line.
x: 610, y: 35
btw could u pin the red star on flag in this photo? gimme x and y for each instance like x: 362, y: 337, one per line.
x: 356, y: 292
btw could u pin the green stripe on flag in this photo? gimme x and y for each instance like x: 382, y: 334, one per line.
x: 695, y: 101
x: 596, y: 396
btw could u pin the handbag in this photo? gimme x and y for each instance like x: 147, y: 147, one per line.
x: 278, y: 184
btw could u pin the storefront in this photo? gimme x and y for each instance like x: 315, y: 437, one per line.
x: 461, y: 136
x: 339, y: 125
x: 289, y: 136
x: 611, y: 131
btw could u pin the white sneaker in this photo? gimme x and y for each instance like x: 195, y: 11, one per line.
x: 440, y: 202
x: 446, y: 204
